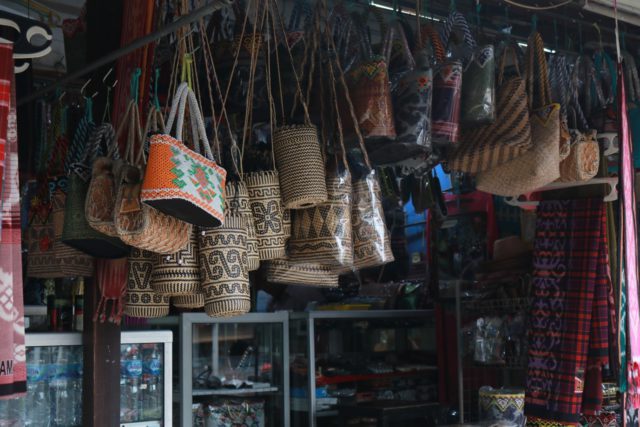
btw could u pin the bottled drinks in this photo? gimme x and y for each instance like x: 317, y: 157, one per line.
x: 151, y: 388
x: 38, y: 400
x: 131, y: 375
x: 60, y: 387
x: 78, y: 306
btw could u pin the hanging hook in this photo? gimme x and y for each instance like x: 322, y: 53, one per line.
x: 84, y: 86
x: 156, y: 100
x: 135, y: 84
x: 452, y: 6
x: 104, y: 79
x: 597, y: 27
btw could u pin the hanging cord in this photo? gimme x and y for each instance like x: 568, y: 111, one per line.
x: 272, y: 104
x: 347, y: 96
x: 293, y: 67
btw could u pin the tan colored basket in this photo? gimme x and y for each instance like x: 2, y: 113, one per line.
x: 189, y: 301
x: 584, y: 160
x: 223, y: 267
x: 266, y: 205
x: 371, y: 242
x: 299, y: 273
x: 300, y: 165
x: 322, y: 234
x: 286, y: 223
x: 179, y: 273
x: 238, y: 203
x: 142, y: 226
x: 141, y: 300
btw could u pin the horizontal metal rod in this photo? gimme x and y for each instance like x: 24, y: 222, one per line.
x: 136, y: 44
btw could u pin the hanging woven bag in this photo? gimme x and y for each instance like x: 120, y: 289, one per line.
x: 106, y: 175
x: 137, y: 223
x: 322, y: 234
x: 223, y: 267
x: 484, y: 147
x: 179, y: 181
x: 238, y: 203
x: 540, y: 165
x: 77, y: 232
x: 179, y: 273
x: 141, y: 300
x: 369, y: 86
x: 296, y: 147
x: 301, y: 273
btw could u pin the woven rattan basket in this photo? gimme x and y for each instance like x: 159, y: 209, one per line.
x: 300, y: 165
x: 264, y: 198
x: 298, y: 273
x: 223, y: 267
x: 238, y: 203
x: 189, y: 301
x: 179, y: 273
x: 141, y: 300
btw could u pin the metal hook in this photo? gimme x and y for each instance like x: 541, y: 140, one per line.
x: 84, y: 86
x: 104, y: 79
x: 597, y: 27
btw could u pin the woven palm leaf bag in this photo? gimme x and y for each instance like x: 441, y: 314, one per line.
x: 77, y: 232
x: 139, y: 224
x: 223, y: 267
x: 296, y: 147
x: 141, y: 300
x: 177, y: 274
x: 266, y: 206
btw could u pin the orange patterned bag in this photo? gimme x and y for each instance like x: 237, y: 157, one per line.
x: 179, y: 181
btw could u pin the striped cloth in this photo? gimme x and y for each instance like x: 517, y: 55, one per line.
x: 568, y: 336
x: 13, y: 369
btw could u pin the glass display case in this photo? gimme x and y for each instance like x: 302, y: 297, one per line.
x: 54, y: 381
x: 234, y: 370
x: 373, y: 361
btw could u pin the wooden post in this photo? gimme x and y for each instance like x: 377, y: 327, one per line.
x: 101, y: 350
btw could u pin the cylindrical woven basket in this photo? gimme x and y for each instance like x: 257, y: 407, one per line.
x: 141, y: 300
x: 179, y: 273
x: 322, y: 234
x: 266, y: 205
x: 223, y: 267
x: 298, y: 273
x: 142, y: 226
x: 300, y: 165
x: 371, y: 242
x: 238, y: 203
x: 189, y: 301
x: 583, y: 161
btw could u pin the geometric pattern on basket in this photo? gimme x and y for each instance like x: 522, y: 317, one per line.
x: 487, y: 146
x: 223, y: 268
x: 447, y: 85
x: 178, y: 273
x: 300, y: 166
x: 322, y: 234
x: 143, y: 226
x: 189, y: 301
x: 176, y: 172
x: 266, y: 206
x: 237, y: 199
x: 371, y: 243
x: 299, y: 273
x: 141, y: 300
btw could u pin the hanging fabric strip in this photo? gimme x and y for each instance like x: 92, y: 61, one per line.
x: 569, y: 332
x: 13, y: 370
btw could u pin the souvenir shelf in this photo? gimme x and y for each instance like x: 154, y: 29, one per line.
x: 344, y: 359
x: 234, y: 367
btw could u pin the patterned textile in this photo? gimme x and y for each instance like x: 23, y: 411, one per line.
x: 570, y: 311
x: 13, y: 369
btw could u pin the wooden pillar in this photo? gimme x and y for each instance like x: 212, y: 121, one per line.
x: 101, y: 375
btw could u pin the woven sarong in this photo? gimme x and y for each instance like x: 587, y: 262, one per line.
x: 568, y: 336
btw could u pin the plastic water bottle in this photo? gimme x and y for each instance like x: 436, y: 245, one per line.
x: 60, y: 388
x: 38, y: 401
x: 151, y: 389
x: 130, y: 387
x: 74, y: 373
